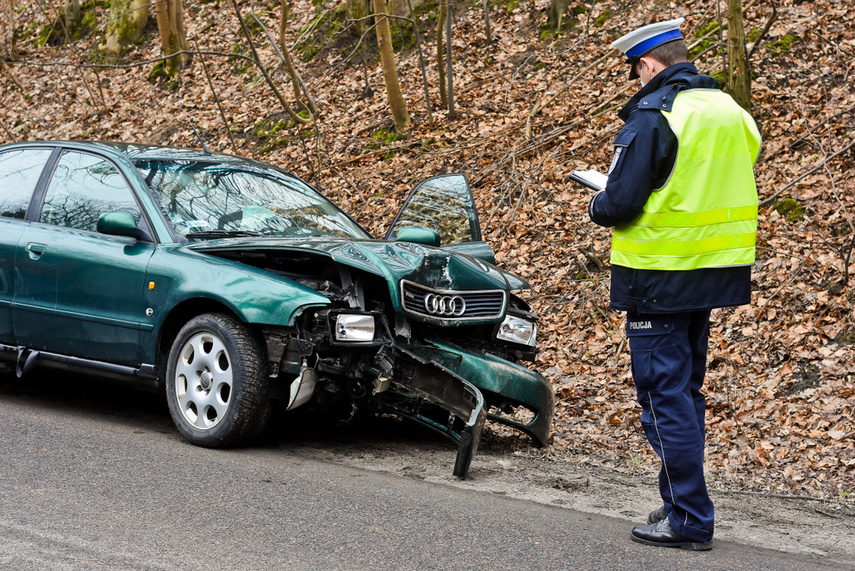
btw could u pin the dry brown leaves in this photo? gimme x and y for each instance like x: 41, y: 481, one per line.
x: 781, y: 371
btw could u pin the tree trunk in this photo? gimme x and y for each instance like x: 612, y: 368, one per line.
x: 73, y: 17
x: 487, y: 30
x: 8, y: 49
x: 296, y: 81
x: 125, y: 26
x: 440, y: 54
x: 390, y: 71
x: 288, y: 109
x: 421, y: 61
x: 449, y: 70
x: 738, y: 79
x: 557, y: 9
x: 173, y: 37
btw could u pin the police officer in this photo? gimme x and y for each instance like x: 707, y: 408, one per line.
x: 682, y: 200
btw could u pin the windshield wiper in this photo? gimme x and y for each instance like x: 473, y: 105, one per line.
x: 223, y: 233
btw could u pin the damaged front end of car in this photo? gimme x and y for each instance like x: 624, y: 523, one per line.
x: 422, y: 324
x: 325, y: 366
x: 405, y: 334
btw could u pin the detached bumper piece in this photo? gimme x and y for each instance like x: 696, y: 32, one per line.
x: 439, y: 399
x: 452, y: 391
x: 505, y: 386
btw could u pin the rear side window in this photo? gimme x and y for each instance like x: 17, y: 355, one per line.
x: 84, y: 187
x: 19, y: 173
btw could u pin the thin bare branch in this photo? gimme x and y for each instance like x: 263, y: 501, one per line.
x: 816, y: 167
x: 765, y: 30
x: 217, y: 101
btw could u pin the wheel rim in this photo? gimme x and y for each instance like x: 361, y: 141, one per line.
x: 203, y: 381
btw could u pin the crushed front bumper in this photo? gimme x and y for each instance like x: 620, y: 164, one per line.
x: 452, y: 390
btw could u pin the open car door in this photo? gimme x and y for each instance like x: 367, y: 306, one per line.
x: 441, y: 211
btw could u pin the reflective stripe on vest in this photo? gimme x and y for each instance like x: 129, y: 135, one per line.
x: 706, y: 214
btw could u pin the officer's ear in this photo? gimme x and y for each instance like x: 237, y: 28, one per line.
x: 653, y: 66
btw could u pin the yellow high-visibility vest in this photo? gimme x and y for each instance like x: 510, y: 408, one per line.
x: 706, y: 214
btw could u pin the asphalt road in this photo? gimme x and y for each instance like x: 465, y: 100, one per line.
x: 93, y: 476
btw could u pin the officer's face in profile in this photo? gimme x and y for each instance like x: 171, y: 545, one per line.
x: 639, y: 69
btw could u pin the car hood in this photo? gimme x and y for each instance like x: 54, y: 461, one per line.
x: 432, y: 267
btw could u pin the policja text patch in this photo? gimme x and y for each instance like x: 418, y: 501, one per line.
x: 648, y: 324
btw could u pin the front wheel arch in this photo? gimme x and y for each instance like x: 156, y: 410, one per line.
x: 216, y: 381
x: 172, y: 324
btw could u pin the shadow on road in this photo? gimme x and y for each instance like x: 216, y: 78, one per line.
x: 124, y: 403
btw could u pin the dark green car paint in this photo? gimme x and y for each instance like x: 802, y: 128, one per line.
x: 107, y: 301
x: 392, y: 261
x: 118, y: 224
x: 80, y: 293
x: 181, y: 274
x: 501, y: 380
x: 10, y: 234
x: 459, y: 396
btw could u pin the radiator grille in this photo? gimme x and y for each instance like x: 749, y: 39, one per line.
x: 452, y: 305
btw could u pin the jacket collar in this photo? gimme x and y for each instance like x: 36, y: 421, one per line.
x: 659, y: 93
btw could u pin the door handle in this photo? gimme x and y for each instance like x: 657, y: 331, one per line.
x: 36, y: 250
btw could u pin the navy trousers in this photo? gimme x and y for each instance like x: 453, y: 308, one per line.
x: 669, y: 354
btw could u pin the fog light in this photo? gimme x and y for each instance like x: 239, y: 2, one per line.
x: 517, y: 330
x: 353, y: 327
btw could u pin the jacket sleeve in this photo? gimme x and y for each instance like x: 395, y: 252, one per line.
x: 645, y: 151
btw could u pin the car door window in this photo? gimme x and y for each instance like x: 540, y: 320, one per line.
x: 82, y: 188
x: 443, y: 203
x: 20, y: 170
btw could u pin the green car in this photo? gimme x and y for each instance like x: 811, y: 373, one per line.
x: 230, y: 285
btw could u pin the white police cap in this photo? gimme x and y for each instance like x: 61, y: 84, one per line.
x: 637, y: 43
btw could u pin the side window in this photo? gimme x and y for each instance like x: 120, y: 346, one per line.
x: 443, y: 203
x: 84, y: 187
x: 19, y: 173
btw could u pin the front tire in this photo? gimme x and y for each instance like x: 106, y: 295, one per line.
x: 217, y: 385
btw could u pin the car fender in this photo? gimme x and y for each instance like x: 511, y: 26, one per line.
x: 177, y: 275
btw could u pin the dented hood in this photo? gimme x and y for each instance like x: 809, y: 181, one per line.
x: 433, y: 267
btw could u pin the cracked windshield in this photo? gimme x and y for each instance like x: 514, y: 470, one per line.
x: 208, y: 200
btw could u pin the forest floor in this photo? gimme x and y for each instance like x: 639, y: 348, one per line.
x: 529, y: 108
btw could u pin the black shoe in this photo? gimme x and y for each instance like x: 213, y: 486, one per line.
x: 663, y: 535
x: 657, y: 516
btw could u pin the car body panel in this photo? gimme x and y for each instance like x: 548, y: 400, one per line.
x: 10, y: 234
x: 23, y: 168
x: 80, y: 293
x: 178, y: 274
x: 435, y: 382
x: 394, y: 261
x: 500, y: 380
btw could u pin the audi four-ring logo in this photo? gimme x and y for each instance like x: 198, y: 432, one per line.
x: 436, y: 304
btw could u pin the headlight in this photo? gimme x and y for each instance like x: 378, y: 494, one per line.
x: 354, y: 327
x: 517, y: 330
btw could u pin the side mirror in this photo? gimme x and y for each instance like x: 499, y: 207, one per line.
x: 118, y: 224
x: 418, y: 235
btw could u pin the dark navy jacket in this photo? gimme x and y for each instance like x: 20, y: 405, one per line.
x: 645, y: 154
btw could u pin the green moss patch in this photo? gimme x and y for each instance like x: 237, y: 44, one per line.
x: 790, y: 209
x: 781, y: 46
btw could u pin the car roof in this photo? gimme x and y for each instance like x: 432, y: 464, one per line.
x: 137, y: 151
